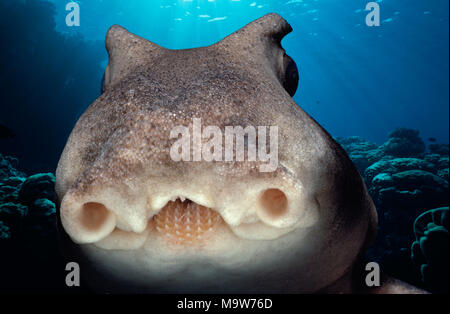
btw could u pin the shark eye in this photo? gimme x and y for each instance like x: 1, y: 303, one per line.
x: 102, y: 87
x: 290, y: 82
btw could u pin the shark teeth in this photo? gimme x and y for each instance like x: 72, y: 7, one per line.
x: 181, y: 198
x: 186, y: 222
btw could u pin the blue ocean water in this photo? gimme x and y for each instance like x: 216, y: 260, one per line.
x: 354, y: 79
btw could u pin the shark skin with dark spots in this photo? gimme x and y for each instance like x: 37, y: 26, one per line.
x: 138, y: 221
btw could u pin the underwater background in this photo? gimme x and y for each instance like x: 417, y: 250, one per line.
x: 382, y: 92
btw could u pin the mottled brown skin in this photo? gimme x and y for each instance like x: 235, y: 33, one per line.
x: 121, y: 143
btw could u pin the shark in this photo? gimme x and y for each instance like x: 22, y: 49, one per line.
x: 139, y: 221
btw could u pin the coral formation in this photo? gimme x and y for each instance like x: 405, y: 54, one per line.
x: 27, y: 228
x: 404, y: 142
x: 404, y: 181
x: 440, y: 149
x: 431, y: 232
x: 25, y: 202
x: 37, y: 186
x: 362, y: 152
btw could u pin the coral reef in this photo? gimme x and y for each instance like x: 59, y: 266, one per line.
x: 404, y: 142
x: 440, y: 149
x: 37, y: 186
x: 362, y: 152
x: 27, y: 228
x: 25, y: 202
x: 431, y: 232
x: 404, y: 180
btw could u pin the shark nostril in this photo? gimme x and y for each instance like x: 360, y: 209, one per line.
x: 274, y: 203
x: 86, y: 222
x: 94, y: 215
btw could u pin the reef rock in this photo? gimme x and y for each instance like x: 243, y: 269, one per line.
x: 432, y: 158
x: 396, y: 165
x: 443, y: 173
x: 8, y: 166
x: 430, y: 249
x: 362, y: 152
x: 10, y: 179
x: 27, y: 229
x: 441, y: 149
x: 442, y: 163
x: 41, y: 217
x: 404, y: 142
x: 12, y: 216
x: 413, y: 189
x: 404, y: 182
x: 26, y: 203
x: 383, y: 180
x: 13, y: 181
x: 37, y: 186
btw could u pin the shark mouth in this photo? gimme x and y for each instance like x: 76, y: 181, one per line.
x: 186, y: 222
x: 110, y: 221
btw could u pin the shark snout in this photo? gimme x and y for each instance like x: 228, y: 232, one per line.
x: 183, y: 210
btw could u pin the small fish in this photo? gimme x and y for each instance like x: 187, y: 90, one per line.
x: 6, y: 132
x: 432, y: 139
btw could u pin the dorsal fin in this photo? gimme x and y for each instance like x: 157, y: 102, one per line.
x: 126, y: 52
